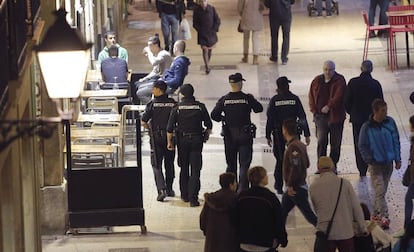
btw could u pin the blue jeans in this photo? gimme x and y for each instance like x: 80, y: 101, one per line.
x: 383, y: 4
x: 301, y: 201
x: 324, y: 129
x: 328, y: 6
x: 169, y: 27
x: 408, y: 209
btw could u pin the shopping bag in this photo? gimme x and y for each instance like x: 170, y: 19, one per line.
x: 185, y: 31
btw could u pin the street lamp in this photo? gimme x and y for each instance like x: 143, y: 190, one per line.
x: 63, y: 56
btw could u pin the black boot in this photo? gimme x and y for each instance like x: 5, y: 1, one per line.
x: 161, y: 195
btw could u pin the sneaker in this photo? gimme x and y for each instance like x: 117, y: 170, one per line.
x: 400, y: 233
x: 161, y: 195
x: 372, y: 35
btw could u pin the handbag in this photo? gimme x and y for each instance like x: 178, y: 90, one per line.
x: 321, y: 241
x: 406, y: 179
x: 364, y: 243
x: 239, y: 29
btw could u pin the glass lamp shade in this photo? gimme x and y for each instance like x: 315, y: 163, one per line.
x: 64, y: 72
x: 63, y: 57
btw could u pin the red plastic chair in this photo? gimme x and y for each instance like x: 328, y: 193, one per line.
x: 398, y: 23
x: 369, y: 29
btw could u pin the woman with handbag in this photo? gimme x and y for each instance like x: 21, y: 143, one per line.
x: 337, y: 208
x: 251, y: 14
x: 206, y: 22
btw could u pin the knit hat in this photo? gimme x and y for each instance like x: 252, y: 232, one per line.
x: 325, y: 163
x: 187, y: 90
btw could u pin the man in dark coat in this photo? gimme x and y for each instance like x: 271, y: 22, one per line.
x: 280, y: 15
x: 218, y: 217
x: 259, y: 215
x: 359, y: 95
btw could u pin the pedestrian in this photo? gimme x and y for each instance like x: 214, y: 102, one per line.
x: 379, y: 144
x: 233, y: 111
x: 280, y: 15
x: 251, y: 21
x: 260, y: 217
x: 406, y: 243
x: 114, y: 70
x: 295, y: 164
x: 206, y: 22
x: 170, y: 12
x: 335, y: 200
x: 155, y: 118
x: 191, y: 124
x: 218, y: 217
x: 284, y: 105
x: 328, y: 7
x: 326, y: 102
x: 173, y: 76
x: 110, y: 39
x: 359, y: 95
x: 159, y: 59
x: 409, y: 195
x: 383, y: 18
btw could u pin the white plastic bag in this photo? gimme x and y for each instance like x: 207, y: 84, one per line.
x: 185, y: 31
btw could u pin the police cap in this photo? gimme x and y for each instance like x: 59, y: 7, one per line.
x: 235, y: 78
x: 283, y: 82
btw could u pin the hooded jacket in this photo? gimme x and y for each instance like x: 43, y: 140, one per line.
x: 379, y: 142
x: 218, y: 221
x: 174, y: 76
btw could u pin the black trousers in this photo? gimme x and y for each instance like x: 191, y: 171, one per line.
x: 279, y: 146
x: 190, y: 161
x: 160, y: 153
x: 238, y: 147
x: 361, y: 165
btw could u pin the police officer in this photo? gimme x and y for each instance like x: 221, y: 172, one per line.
x: 186, y: 121
x: 284, y: 105
x: 233, y: 110
x: 155, y: 118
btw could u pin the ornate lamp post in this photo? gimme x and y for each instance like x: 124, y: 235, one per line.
x: 63, y: 56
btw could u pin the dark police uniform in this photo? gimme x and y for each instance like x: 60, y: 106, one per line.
x: 157, y: 113
x: 233, y: 110
x: 187, y: 120
x: 282, y: 106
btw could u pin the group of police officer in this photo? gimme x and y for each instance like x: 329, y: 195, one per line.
x: 187, y: 125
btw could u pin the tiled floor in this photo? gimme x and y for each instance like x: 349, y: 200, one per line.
x: 173, y: 225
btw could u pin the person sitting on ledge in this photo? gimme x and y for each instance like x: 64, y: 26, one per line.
x: 173, y: 77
